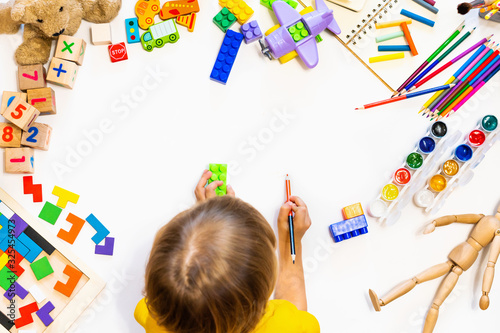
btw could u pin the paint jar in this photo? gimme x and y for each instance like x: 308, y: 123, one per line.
x: 414, y: 161
x: 390, y: 192
x: 476, y: 138
x: 463, y: 153
x: 426, y: 145
x: 377, y: 208
x: 439, y: 129
x: 437, y: 183
x: 402, y: 176
x: 489, y: 123
x: 450, y: 168
x: 423, y: 198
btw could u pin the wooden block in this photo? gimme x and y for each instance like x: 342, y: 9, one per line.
x: 10, y: 136
x: 31, y: 77
x: 8, y: 97
x: 37, y: 136
x: 62, y: 73
x: 100, y: 34
x: 68, y: 287
x: 19, y: 160
x: 70, y: 48
x: 43, y: 99
x: 21, y: 113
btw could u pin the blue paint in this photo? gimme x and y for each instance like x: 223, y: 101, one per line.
x: 31, y: 138
x: 463, y: 153
x: 349, y: 228
x: 427, y: 145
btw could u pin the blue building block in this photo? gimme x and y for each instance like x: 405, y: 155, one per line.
x: 227, y: 55
x: 132, y: 30
x: 349, y: 228
x: 251, y: 31
x: 101, y: 231
x: 34, y: 249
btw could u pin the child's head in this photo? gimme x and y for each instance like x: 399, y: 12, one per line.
x: 212, y: 269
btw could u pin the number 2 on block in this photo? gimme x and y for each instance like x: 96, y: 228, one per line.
x: 19, y: 109
x: 31, y: 138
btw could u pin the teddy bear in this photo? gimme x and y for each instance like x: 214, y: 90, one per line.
x: 45, y: 20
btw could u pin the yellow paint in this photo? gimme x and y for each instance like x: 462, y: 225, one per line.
x: 393, y: 56
x: 450, y: 168
x: 390, y: 192
x: 437, y: 183
x: 352, y: 211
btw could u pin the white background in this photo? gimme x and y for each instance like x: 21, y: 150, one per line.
x: 142, y: 172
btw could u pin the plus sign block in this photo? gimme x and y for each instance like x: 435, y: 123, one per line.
x: 70, y: 48
x: 62, y: 73
x: 227, y: 55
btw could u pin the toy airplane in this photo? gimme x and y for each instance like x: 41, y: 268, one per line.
x: 298, y: 33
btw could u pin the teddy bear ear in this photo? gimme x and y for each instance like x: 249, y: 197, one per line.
x: 18, y: 10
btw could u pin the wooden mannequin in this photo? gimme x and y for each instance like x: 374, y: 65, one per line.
x: 461, y: 258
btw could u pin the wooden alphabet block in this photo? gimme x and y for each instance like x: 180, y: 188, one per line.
x: 70, y: 48
x: 19, y: 160
x: 31, y: 77
x: 8, y: 97
x: 21, y: 113
x: 101, y: 34
x: 37, y: 136
x: 10, y: 136
x: 43, y: 99
x: 62, y: 73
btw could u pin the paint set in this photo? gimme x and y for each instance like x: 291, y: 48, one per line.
x: 405, y: 181
x: 457, y: 169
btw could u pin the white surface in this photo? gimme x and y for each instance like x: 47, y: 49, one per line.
x: 270, y: 119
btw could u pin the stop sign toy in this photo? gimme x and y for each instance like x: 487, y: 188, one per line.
x: 117, y: 52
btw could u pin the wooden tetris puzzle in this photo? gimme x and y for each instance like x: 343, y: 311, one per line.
x: 52, y: 286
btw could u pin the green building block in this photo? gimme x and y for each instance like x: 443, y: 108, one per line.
x: 7, y: 278
x: 50, y: 213
x: 318, y: 38
x: 298, y: 32
x: 224, y: 19
x: 41, y: 268
x: 219, y: 172
x: 269, y: 3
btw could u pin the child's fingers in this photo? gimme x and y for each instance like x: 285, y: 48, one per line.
x: 298, y: 201
x: 210, y: 189
x: 285, y: 210
x: 203, y: 180
x: 230, y: 191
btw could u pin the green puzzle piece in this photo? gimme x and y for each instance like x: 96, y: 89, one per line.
x: 41, y: 268
x: 50, y: 213
x: 7, y: 278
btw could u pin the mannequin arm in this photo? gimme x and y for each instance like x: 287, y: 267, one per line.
x: 489, y: 273
x: 449, y: 219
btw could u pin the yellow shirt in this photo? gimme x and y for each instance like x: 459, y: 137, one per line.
x: 280, y: 316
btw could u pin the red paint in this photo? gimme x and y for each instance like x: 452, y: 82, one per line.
x: 477, y: 138
x: 402, y: 176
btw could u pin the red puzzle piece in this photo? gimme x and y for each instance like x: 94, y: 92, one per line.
x: 29, y: 188
x: 26, y: 315
x: 14, y: 261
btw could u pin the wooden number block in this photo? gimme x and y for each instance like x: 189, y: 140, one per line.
x: 21, y: 113
x: 8, y: 97
x: 10, y: 136
x: 43, y: 99
x: 31, y: 77
x: 100, y: 34
x: 37, y: 136
x: 19, y: 160
x: 70, y: 48
x: 62, y: 73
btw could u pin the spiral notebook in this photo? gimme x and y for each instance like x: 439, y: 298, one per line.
x: 358, y: 35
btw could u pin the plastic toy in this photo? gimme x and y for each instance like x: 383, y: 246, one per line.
x: 354, y: 224
x: 226, y: 57
x: 43, y: 99
x: 251, y: 32
x: 173, y: 9
x: 37, y: 136
x: 10, y: 136
x: 187, y: 20
x: 239, y: 9
x: 34, y: 189
x: 31, y: 77
x: 100, y: 34
x: 224, y: 19
x: 21, y: 114
x: 269, y: 3
x: 280, y: 42
x: 70, y: 48
x: 219, y: 173
x: 19, y: 160
x: 62, y: 73
x: 146, y: 11
x: 118, y: 52
x: 132, y: 30
x: 159, y: 34
x: 486, y: 230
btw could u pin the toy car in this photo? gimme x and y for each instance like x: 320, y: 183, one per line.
x: 159, y: 34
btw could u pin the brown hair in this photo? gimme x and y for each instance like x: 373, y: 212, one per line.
x: 212, y: 269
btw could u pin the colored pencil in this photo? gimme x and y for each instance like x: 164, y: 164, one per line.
x: 402, y: 97
x: 290, y: 219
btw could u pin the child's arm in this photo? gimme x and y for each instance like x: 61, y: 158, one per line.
x: 290, y: 285
x: 202, y: 193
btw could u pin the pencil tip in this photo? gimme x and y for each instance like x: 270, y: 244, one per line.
x: 293, y: 258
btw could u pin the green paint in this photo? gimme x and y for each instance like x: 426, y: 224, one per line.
x: 489, y: 123
x: 41, y: 268
x: 414, y: 160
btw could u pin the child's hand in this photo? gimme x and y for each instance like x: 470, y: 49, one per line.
x: 301, y: 220
x: 202, y: 193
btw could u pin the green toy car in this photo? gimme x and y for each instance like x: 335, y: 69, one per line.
x: 159, y: 34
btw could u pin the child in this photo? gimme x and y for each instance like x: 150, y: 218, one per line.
x: 213, y: 268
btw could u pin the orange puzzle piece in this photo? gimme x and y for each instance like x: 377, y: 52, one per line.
x: 146, y: 11
x: 172, y: 9
x: 74, y: 276
x: 70, y: 235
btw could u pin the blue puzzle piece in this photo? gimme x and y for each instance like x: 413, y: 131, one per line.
x: 349, y: 228
x: 34, y: 249
x: 132, y: 30
x: 15, y: 244
x: 101, y: 231
x: 4, y: 222
x: 227, y: 55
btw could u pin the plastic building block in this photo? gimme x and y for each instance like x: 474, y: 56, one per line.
x: 117, y: 52
x: 43, y: 99
x: 146, y: 11
x: 101, y: 231
x: 14, y: 261
x: 68, y: 287
x: 64, y: 196
x: 6, y: 278
x: 251, y: 31
x: 50, y: 213
x: 224, y: 19
x: 19, y: 225
x: 70, y: 48
x: 226, y: 57
x: 352, y: 211
x: 349, y: 228
x: 70, y: 235
x: 219, y: 173
x: 44, y: 313
x: 21, y: 114
x: 172, y: 9
x: 37, y: 136
x: 107, y: 248
x: 269, y: 3
x: 19, y: 160
x: 100, y: 34
x: 41, y: 268
x: 30, y: 188
x: 39, y: 240
x: 10, y: 136
x: 26, y: 315
x: 239, y: 8
x: 34, y: 249
x: 159, y: 34
x: 132, y: 30
x: 8, y: 97
x: 62, y: 73
x: 188, y: 21
x: 37, y: 293
x: 298, y: 31
x: 31, y: 77
x: 15, y: 290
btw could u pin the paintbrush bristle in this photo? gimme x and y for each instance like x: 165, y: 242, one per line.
x: 464, y: 8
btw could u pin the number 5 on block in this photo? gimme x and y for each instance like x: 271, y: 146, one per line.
x: 37, y: 136
x: 21, y: 113
x: 19, y: 160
